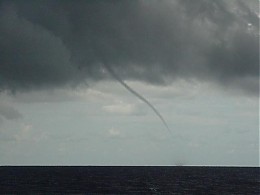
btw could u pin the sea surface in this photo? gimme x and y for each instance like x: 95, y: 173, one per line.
x: 128, y: 180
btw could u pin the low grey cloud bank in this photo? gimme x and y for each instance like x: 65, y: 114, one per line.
x: 49, y: 44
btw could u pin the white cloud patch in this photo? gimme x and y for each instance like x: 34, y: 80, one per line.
x: 114, y: 132
x: 24, y: 133
x: 123, y: 109
x: 27, y: 133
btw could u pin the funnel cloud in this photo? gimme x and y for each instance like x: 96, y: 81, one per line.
x: 112, y: 72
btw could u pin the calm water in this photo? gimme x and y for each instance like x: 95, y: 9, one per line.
x: 129, y: 180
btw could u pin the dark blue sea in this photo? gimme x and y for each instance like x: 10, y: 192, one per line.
x: 128, y: 180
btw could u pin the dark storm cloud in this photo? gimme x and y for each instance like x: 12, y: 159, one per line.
x: 46, y: 44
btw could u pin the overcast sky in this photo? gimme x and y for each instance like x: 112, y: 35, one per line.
x: 63, y: 65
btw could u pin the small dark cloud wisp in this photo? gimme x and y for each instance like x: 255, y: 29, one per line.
x: 9, y: 113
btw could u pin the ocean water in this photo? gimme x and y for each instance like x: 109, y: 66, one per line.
x: 128, y: 180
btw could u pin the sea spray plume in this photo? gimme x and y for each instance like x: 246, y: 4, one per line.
x: 112, y: 72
